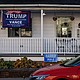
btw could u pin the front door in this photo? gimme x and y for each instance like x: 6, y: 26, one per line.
x: 63, y: 30
x: 64, y: 27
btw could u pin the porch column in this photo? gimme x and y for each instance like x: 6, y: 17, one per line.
x: 41, y: 32
x: 1, y: 16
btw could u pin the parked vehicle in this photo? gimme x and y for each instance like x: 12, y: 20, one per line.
x: 65, y: 71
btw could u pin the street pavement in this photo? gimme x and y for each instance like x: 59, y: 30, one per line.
x: 14, y: 79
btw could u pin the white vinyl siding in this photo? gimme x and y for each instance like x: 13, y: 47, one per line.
x: 49, y: 25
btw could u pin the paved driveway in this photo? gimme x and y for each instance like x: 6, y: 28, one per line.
x: 14, y: 79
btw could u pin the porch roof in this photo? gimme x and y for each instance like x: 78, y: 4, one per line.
x: 64, y: 2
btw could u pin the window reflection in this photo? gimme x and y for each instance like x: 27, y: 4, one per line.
x: 25, y: 33
x: 19, y: 32
x: 63, y: 27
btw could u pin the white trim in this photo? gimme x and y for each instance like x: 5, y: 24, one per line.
x: 58, y: 5
x: 38, y: 5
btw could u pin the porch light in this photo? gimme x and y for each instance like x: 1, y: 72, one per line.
x: 72, y: 18
x: 54, y: 18
x: 44, y: 14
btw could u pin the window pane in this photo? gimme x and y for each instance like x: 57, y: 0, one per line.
x: 13, y: 32
x: 19, y: 32
x: 63, y: 27
x: 26, y: 32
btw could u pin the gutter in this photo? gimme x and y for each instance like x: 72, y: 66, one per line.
x: 39, y: 5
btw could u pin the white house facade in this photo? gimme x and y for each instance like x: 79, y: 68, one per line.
x: 54, y: 29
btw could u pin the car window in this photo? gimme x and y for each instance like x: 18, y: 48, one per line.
x: 73, y: 62
x: 76, y: 63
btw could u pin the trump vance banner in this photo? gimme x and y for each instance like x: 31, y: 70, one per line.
x: 16, y: 18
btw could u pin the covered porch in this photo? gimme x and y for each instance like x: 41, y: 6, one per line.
x: 44, y: 38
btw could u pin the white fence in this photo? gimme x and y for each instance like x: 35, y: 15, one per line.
x: 20, y: 45
x: 62, y: 45
x: 33, y: 45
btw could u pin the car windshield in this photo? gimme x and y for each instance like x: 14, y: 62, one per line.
x: 73, y: 62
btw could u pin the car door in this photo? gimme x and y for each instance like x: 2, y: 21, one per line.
x: 78, y: 72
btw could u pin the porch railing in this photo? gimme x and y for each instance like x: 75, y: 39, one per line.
x: 62, y: 45
x: 20, y: 45
x: 33, y: 45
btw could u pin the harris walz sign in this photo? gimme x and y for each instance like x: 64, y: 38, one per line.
x: 16, y: 18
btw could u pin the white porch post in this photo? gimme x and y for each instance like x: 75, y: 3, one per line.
x: 41, y: 32
x: 1, y: 17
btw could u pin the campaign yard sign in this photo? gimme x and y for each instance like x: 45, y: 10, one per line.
x: 16, y: 18
x: 50, y: 57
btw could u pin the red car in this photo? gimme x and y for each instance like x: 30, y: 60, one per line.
x: 67, y: 71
